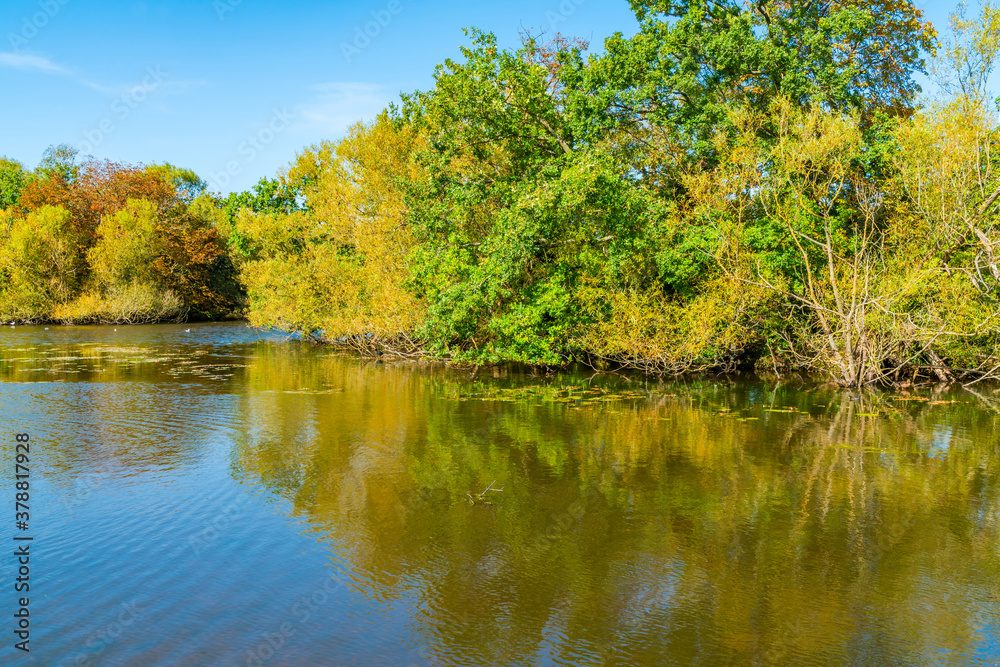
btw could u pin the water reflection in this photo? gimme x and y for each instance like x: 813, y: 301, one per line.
x: 703, y: 522
x: 706, y: 522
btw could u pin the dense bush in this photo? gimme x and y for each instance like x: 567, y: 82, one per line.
x: 40, y: 264
x: 337, y: 270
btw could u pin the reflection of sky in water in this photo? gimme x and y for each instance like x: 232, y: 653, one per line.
x: 943, y: 439
x: 940, y: 441
x: 989, y: 648
x: 133, y: 503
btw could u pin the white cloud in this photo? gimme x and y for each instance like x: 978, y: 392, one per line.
x: 338, y: 105
x: 160, y: 82
x: 22, y: 61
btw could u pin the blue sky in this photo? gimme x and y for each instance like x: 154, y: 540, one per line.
x: 235, y: 88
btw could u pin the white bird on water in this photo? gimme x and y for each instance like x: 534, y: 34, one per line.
x: 187, y: 331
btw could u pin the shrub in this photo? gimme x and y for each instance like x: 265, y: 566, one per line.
x: 131, y: 303
x: 40, y: 265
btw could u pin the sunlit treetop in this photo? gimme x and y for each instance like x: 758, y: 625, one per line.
x: 98, y: 188
x: 876, y: 47
x: 188, y: 184
x: 968, y: 55
x: 58, y: 161
x: 692, y: 60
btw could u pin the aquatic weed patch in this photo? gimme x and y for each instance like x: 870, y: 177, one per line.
x: 575, y: 395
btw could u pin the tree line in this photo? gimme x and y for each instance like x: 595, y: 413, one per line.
x: 737, y: 185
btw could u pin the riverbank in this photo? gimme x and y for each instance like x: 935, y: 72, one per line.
x: 767, y: 369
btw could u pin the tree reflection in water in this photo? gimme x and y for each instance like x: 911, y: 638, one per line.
x: 706, y: 521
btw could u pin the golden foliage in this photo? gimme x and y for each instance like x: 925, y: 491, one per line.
x: 647, y: 329
x: 123, y: 303
x: 40, y: 264
x: 126, y: 245
x: 338, y: 271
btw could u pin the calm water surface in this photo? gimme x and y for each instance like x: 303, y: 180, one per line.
x: 229, y: 497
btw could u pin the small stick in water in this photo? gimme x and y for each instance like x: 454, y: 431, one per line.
x: 489, y: 488
x: 481, y: 497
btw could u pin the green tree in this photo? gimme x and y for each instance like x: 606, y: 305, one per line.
x: 691, y: 60
x: 58, y: 161
x: 12, y: 178
x: 511, y: 209
x: 188, y: 184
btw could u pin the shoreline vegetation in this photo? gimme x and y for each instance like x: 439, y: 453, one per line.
x: 738, y: 186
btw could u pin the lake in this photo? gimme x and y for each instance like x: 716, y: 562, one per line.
x: 224, y: 496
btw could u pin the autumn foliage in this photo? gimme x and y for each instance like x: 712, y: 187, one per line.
x: 101, y: 188
x: 337, y: 270
x: 111, y: 242
x: 737, y: 185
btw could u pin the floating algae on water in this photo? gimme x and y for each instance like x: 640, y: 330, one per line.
x: 539, y: 394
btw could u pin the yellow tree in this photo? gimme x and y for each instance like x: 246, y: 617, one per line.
x: 126, y: 245
x: 338, y: 271
x: 947, y: 172
x: 41, y: 264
